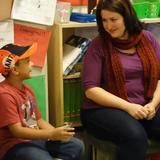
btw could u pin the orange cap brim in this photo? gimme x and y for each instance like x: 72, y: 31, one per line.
x: 29, y: 52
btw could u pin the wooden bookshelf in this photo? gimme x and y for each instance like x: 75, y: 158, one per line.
x: 60, y: 33
x: 71, y: 76
x: 151, y: 20
x: 72, y: 24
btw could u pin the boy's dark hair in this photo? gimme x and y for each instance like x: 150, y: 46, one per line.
x: 124, y: 8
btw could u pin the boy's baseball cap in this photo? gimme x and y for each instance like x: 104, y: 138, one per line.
x: 11, y: 53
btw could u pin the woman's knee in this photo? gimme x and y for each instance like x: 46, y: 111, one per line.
x: 138, y: 134
x: 137, y: 137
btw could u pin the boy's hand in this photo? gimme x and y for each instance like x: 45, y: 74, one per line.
x: 62, y: 133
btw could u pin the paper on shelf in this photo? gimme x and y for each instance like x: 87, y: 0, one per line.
x: 70, y: 53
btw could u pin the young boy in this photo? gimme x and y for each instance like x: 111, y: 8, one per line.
x: 24, y: 135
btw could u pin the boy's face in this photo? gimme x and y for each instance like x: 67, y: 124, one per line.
x: 24, y: 68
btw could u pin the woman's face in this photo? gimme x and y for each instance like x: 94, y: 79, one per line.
x: 113, y: 23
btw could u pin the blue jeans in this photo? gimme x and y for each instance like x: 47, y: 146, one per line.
x: 130, y: 135
x: 46, y: 150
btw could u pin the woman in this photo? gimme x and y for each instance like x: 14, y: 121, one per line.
x: 121, y: 81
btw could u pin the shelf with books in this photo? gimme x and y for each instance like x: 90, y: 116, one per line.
x: 60, y: 33
x: 56, y: 79
x: 74, y: 48
x: 72, y: 100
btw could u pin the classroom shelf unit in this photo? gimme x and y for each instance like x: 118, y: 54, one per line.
x: 60, y: 33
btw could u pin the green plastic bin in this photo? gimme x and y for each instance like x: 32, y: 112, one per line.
x: 141, y: 9
x: 153, y: 9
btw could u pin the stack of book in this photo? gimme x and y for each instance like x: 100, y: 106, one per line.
x: 72, y: 99
x: 74, y: 50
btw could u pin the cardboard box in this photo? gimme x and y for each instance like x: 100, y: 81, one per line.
x: 5, y: 8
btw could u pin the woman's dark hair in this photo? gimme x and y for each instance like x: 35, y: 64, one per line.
x: 124, y: 8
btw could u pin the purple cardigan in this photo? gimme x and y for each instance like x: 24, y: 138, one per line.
x: 94, y: 74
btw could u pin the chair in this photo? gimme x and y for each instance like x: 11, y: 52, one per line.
x: 97, y: 149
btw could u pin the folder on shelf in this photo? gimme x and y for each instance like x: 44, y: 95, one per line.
x: 70, y: 53
x: 74, y: 49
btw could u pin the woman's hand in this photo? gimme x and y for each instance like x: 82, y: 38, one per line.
x: 151, y: 109
x: 137, y: 111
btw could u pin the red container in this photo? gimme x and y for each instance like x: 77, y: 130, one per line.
x: 76, y: 2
